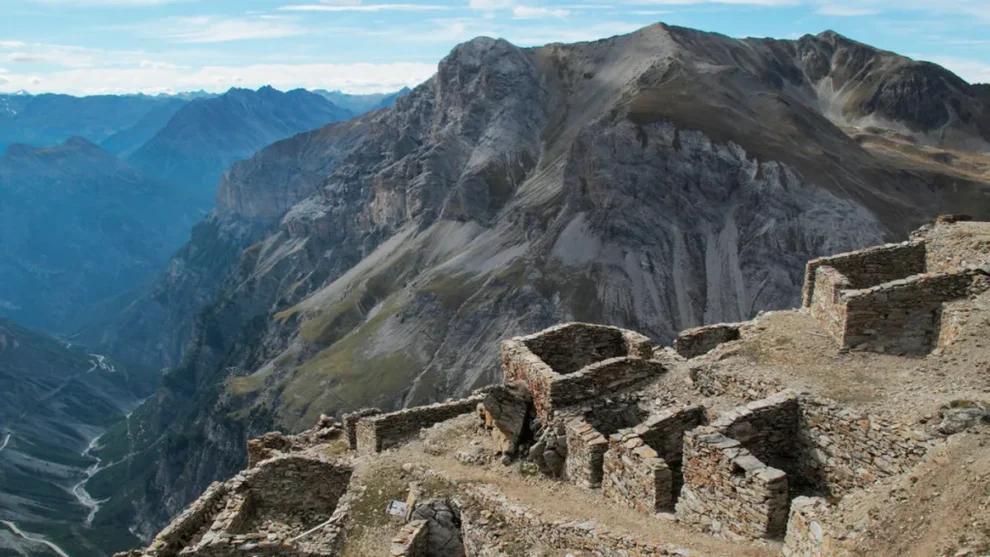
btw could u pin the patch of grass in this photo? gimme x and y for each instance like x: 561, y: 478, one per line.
x: 342, y: 375
x: 368, y: 510
x: 247, y: 384
x: 452, y: 291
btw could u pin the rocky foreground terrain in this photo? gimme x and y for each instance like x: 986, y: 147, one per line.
x: 653, y: 181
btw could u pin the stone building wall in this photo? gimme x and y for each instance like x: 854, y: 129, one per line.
x: 904, y: 315
x: 590, y: 360
x: 411, y: 541
x: 586, y: 448
x: 711, y: 380
x: 634, y: 474
x: 192, y: 521
x: 728, y: 490
x: 379, y: 432
x: 569, y: 347
x: 664, y: 432
x: 867, y: 267
x: 767, y: 428
x: 265, y: 511
x: 826, y: 306
x: 808, y: 530
x: 297, y: 483
x: 351, y: 420
x: 839, y: 449
x: 694, y: 342
x: 601, y: 379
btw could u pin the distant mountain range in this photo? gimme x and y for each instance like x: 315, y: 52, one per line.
x: 359, y: 104
x: 50, y: 119
x: 80, y: 224
x: 206, y: 136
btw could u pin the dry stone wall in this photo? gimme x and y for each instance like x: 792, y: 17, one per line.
x: 728, y: 491
x: 826, y: 306
x: 839, y: 449
x: 495, y: 527
x: 285, y: 506
x: 586, y: 448
x: 808, y: 530
x: 576, y: 362
x: 869, y: 266
x: 569, y: 347
x: 351, y: 420
x: 767, y: 428
x: 903, y: 315
x: 694, y: 342
x: 378, y: 432
x: 634, y: 474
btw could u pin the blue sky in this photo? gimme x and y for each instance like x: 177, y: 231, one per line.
x: 107, y: 46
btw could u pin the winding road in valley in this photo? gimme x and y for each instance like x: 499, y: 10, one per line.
x: 18, y: 532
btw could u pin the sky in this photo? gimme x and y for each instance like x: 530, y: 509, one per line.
x: 365, y: 46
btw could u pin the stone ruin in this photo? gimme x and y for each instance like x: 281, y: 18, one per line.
x: 575, y: 362
x: 882, y: 299
x: 285, y: 506
x: 575, y: 398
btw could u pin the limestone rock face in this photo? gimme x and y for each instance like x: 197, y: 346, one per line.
x: 655, y: 181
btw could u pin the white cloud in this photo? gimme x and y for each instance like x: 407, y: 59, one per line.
x: 122, y: 3
x: 531, y: 12
x: 11, y: 44
x: 845, y: 11
x: 363, y: 7
x: 356, y: 78
x: 489, y: 4
x: 973, y: 71
x: 212, y: 29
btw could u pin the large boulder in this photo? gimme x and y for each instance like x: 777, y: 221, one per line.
x: 507, y: 410
x: 444, y: 523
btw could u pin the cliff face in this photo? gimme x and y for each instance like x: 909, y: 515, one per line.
x: 653, y: 181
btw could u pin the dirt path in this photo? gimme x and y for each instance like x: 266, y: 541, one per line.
x: 548, y: 500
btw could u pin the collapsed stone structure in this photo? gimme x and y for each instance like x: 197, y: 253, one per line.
x: 584, y: 404
x: 882, y: 298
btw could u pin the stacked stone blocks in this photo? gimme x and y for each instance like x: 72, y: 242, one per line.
x: 377, y: 432
x: 586, y: 448
x: 351, y: 420
x: 643, y: 464
x: 575, y: 362
x: 691, y: 343
x: 728, y: 490
x: 882, y: 299
x: 261, y: 511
